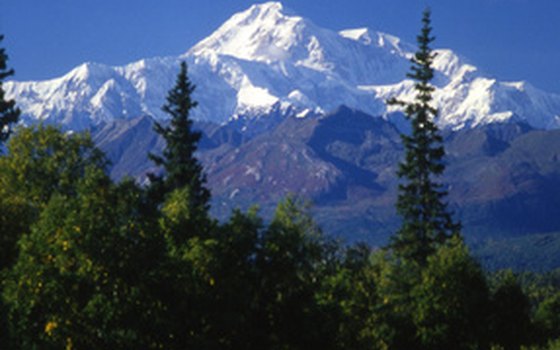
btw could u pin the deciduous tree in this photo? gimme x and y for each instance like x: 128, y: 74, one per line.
x: 41, y: 161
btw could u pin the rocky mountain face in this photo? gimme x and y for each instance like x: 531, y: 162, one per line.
x: 503, y: 179
x: 268, y: 58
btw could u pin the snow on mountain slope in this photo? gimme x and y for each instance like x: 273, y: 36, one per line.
x: 268, y: 58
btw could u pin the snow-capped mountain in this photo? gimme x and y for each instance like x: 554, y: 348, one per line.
x: 268, y: 58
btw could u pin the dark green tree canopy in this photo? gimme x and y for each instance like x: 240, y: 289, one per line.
x: 178, y: 160
x: 9, y: 113
x: 426, y: 219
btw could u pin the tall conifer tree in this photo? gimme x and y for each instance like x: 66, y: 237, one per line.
x: 9, y: 113
x: 426, y: 220
x: 181, y: 167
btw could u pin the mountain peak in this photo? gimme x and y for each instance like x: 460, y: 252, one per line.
x: 264, y: 32
x: 270, y: 12
x: 270, y: 7
x: 89, y: 70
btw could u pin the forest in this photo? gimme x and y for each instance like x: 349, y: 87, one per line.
x: 90, y: 263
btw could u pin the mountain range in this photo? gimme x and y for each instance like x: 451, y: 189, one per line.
x: 503, y: 178
x: 268, y: 58
x: 288, y: 107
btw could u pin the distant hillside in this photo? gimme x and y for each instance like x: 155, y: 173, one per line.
x: 535, y: 252
x: 504, y: 179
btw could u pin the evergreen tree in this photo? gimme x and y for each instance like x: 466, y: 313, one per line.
x: 9, y: 113
x: 178, y: 160
x: 426, y: 219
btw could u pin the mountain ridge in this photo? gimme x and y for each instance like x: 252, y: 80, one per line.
x: 502, y: 178
x: 268, y: 58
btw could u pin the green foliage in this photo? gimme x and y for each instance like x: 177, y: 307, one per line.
x: 188, y: 276
x: 180, y: 220
x: 86, y: 273
x: 211, y: 273
x: 9, y: 113
x: 291, y: 264
x: 426, y: 220
x: 550, y: 345
x: 440, y: 305
x: 244, y: 286
x: 452, y: 300
x: 395, y: 279
x: 41, y: 162
x: 510, y: 319
x: 178, y: 160
x: 547, y: 317
x: 234, y: 281
x: 347, y: 298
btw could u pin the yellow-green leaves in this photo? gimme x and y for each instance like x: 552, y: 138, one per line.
x: 41, y: 162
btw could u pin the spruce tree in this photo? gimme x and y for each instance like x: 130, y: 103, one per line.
x: 181, y: 167
x: 426, y: 220
x: 9, y: 113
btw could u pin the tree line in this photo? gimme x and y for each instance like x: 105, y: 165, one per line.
x: 90, y: 263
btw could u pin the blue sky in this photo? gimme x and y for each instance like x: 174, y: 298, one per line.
x: 508, y: 39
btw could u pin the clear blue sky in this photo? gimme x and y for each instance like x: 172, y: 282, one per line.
x: 509, y: 39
